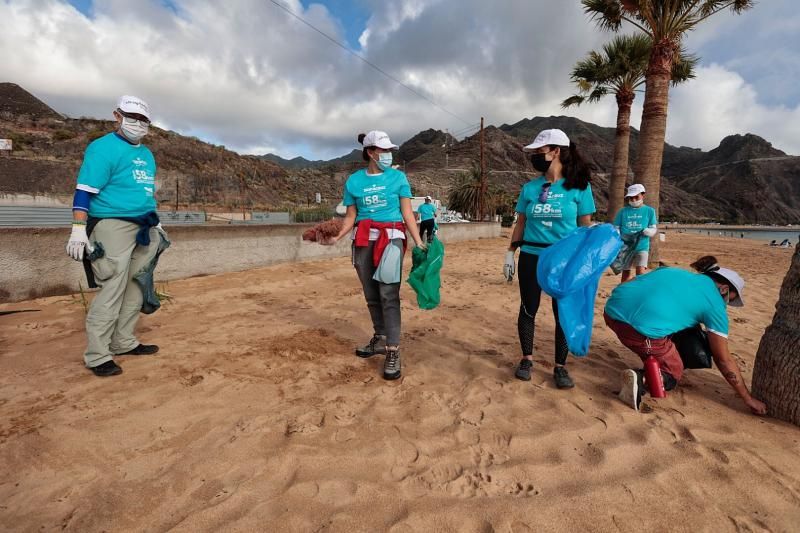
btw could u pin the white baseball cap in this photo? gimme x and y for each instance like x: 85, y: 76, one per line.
x: 547, y: 138
x: 132, y: 104
x: 379, y: 139
x: 736, y: 280
x: 635, y: 190
x: 428, y: 198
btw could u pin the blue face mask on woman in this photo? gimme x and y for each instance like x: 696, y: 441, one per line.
x: 385, y: 160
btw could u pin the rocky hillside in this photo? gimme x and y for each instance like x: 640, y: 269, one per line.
x: 48, y: 150
x: 743, y: 180
x: 302, y: 162
x: 16, y: 102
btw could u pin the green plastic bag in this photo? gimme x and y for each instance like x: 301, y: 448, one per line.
x: 425, y: 278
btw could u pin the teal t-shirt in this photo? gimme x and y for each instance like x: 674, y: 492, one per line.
x: 426, y: 211
x: 377, y: 197
x: 668, y: 300
x: 548, y: 222
x: 120, y: 175
x: 632, y: 220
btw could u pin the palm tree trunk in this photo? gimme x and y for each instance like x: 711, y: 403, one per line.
x: 619, y: 174
x: 654, y: 128
x: 776, y: 375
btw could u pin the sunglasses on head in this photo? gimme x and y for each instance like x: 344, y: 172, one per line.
x: 544, y: 191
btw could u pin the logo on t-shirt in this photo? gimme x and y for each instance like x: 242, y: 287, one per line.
x: 549, y: 209
x: 375, y: 201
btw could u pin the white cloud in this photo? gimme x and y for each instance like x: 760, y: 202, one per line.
x: 248, y: 76
x: 720, y: 103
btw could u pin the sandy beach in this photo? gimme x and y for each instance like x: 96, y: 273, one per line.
x: 256, y: 416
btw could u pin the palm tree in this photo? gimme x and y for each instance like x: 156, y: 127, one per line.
x: 666, y: 22
x: 465, y: 195
x: 619, y: 70
x: 776, y: 374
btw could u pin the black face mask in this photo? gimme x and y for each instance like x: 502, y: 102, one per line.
x: 540, y: 163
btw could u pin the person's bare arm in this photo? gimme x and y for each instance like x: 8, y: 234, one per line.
x: 730, y: 371
x: 349, y: 222
x: 585, y: 220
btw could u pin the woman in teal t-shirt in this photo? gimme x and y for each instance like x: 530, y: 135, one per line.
x: 378, y: 200
x: 636, y: 221
x: 549, y: 207
x: 648, y: 310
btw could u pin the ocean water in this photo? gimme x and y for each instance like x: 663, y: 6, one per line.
x: 765, y: 235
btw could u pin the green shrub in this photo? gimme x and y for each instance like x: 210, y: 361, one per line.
x: 20, y: 140
x: 95, y: 134
x: 313, y: 214
x: 63, y: 135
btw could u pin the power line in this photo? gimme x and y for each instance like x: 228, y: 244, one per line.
x: 365, y: 60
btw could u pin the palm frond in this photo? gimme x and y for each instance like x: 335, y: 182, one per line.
x: 683, y: 66
x: 597, y: 94
x: 608, y: 14
x: 574, y: 100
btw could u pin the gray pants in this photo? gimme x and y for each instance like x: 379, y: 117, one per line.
x: 383, y: 299
x: 115, y: 308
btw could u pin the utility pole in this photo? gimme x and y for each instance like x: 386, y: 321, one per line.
x: 177, y: 191
x: 482, y: 193
x: 241, y: 197
x: 446, y: 149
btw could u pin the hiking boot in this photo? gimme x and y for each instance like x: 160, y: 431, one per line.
x: 109, y: 368
x: 375, y: 346
x: 391, y: 365
x: 524, y: 370
x: 562, y: 379
x: 632, y: 389
x: 142, y: 349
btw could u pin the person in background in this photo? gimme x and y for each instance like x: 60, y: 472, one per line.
x: 549, y: 207
x: 114, y: 209
x: 378, y: 200
x: 636, y: 220
x: 645, y: 312
x: 427, y: 218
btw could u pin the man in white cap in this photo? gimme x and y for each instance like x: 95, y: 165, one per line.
x: 637, y: 223
x: 427, y: 218
x: 648, y: 311
x: 116, y: 229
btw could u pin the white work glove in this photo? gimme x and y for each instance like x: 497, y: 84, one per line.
x: 649, y: 232
x: 422, y: 245
x: 78, y: 242
x: 508, y: 267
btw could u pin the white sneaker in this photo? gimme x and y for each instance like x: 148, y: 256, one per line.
x: 630, y: 392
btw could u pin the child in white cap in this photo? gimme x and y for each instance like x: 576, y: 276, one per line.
x: 636, y: 222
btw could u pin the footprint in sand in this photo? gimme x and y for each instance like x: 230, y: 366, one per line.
x: 307, y: 423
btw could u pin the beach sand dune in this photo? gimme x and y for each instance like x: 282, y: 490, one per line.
x: 256, y: 416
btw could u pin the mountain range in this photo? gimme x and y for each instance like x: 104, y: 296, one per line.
x: 743, y: 180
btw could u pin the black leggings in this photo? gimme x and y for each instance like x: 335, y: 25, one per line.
x: 530, y: 295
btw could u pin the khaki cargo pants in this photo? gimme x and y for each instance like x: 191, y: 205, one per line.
x: 115, y: 309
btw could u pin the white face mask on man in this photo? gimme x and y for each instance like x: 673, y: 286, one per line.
x: 636, y: 203
x: 133, y: 129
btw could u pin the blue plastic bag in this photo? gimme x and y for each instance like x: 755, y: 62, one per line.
x: 570, y: 271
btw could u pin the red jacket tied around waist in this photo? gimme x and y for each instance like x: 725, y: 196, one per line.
x: 362, y: 236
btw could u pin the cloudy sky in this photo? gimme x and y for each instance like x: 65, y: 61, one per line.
x: 244, y: 74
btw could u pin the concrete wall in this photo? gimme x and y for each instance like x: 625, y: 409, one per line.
x: 33, y: 261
